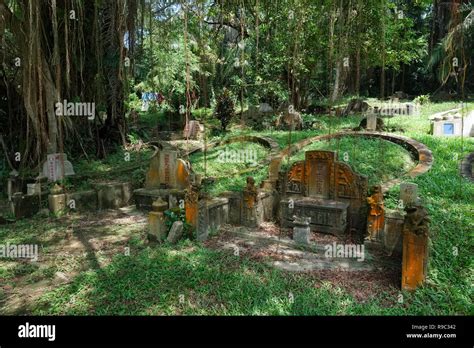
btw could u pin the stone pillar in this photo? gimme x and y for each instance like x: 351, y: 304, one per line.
x: 57, y: 200
x: 415, y: 247
x: 249, y: 204
x: 191, y: 207
x: 301, y: 230
x: 375, y: 218
x: 156, y: 221
x: 13, y: 185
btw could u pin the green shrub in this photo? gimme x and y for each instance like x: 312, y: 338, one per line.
x: 225, y: 109
x: 422, y: 99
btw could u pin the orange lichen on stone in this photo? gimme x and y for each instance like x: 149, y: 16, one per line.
x: 375, y: 219
x: 415, y: 247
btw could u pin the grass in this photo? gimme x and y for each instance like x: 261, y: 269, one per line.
x: 151, y: 280
x: 366, y: 156
x: 226, y: 170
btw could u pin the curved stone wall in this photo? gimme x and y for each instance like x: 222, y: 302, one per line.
x: 419, y: 151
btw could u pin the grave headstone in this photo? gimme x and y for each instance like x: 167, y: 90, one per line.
x: 167, y: 173
x: 371, y: 122
x: 57, y: 167
x: 162, y: 170
x: 265, y: 108
x: 451, y: 123
x: 24, y: 206
x: 183, y: 174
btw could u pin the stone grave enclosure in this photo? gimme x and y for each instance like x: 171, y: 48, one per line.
x: 327, y: 191
x: 451, y: 123
x: 321, y: 194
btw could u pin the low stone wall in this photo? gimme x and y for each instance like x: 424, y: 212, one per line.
x: 104, y: 196
x: 144, y: 198
x: 24, y: 206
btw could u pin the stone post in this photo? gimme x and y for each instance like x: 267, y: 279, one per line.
x: 301, y: 230
x: 249, y: 204
x: 156, y: 221
x: 375, y: 218
x: 415, y: 247
x: 191, y: 207
x: 57, y: 200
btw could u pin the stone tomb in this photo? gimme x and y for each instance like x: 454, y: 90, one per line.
x: 451, y: 123
x: 327, y: 191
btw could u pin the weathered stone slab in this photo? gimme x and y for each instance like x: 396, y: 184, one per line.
x: 168, y: 167
x: 113, y: 195
x: 183, y: 171
x: 176, y: 232
x: 152, y: 179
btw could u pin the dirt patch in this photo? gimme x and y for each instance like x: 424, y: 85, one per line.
x: 89, y: 242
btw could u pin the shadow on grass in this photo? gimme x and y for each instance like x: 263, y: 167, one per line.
x: 192, y: 281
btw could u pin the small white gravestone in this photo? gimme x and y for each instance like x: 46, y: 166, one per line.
x: 371, y: 122
x: 57, y: 166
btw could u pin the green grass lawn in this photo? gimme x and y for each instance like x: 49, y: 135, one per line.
x: 191, y: 279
